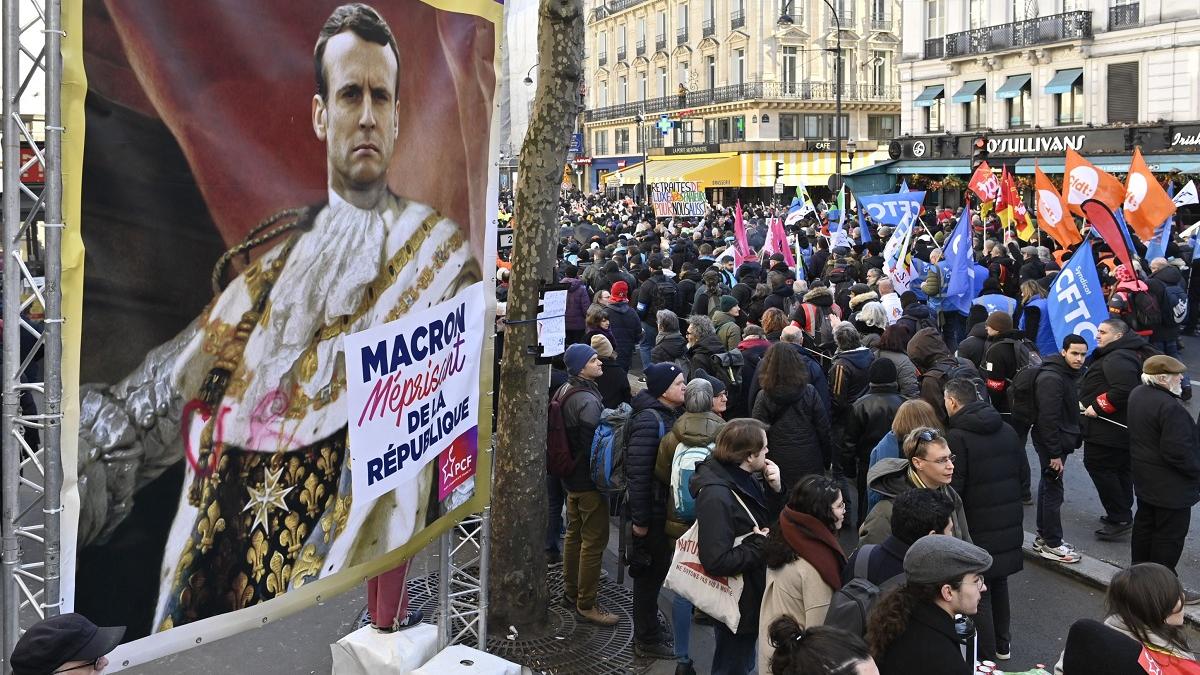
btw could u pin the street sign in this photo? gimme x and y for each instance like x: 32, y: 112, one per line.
x: 504, y: 239
x: 779, y: 188
x: 576, y: 143
x: 620, y: 164
x: 583, y: 160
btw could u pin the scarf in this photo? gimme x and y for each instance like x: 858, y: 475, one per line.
x: 813, y: 541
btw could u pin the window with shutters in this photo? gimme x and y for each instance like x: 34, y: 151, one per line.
x: 1123, y: 92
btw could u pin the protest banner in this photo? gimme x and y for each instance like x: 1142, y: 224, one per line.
x: 683, y: 199
x: 1146, y: 204
x: 984, y: 183
x: 893, y: 209
x: 237, y: 231
x: 1083, y: 181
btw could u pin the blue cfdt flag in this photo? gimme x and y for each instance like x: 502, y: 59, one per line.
x: 893, y: 209
x: 1076, y: 301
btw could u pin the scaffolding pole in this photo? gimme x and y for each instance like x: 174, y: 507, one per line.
x: 30, y: 472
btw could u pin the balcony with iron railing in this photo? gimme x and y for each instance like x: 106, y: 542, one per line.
x: 602, y: 59
x: 881, y: 22
x: 750, y: 91
x: 614, y: 6
x: 708, y: 28
x: 737, y: 19
x: 1037, y: 31
x: 935, y: 48
x: 620, y: 54
x: 786, y: 19
x: 640, y: 48
x: 1124, y: 16
x: 660, y: 43
x: 845, y: 17
x: 681, y: 36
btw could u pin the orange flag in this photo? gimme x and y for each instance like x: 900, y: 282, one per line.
x: 1053, y: 216
x: 1083, y: 181
x: 1146, y: 202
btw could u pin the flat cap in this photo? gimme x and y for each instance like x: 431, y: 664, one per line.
x: 937, y: 557
x: 1163, y: 365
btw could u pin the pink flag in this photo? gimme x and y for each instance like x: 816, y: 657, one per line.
x: 742, y: 248
x: 779, y: 237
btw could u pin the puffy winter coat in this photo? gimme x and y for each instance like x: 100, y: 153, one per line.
x: 869, y: 419
x: 694, y: 430
x: 613, y: 384
x: 848, y: 379
x: 906, y: 372
x: 668, y: 347
x: 581, y: 414
x: 799, y: 437
x: 1000, y: 366
x: 890, y: 478
x: 1163, y: 449
x: 987, y: 469
x: 651, y: 421
x: 626, y: 329
x: 727, y: 330
x: 702, y: 353
x: 1056, y: 430
x: 781, y: 298
x: 578, y: 302
x: 722, y: 520
x: 1115, y: 370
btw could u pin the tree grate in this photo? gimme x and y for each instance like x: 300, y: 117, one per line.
x: 571, y: 644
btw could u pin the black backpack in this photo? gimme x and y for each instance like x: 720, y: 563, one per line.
x: 1022, y: 397
x: 1139, y: 308
x: 664, y: 296
x: 850, y: 604
x: 727, y: 367
x: 946, y: 373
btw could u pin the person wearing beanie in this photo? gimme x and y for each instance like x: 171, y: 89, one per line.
x: 624, y: 323
x: 1007, y: 352
x: 725, y: 321
x: 614, y: 380
x: 587, y: 516
x: 655, y: 410
x: 868, y: 421
x: 912, y: 630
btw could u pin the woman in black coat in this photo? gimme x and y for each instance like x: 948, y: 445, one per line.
x: 731, y: 502
x: 799, y: 433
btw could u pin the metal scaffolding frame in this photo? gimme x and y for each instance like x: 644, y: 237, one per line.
x: 32, y: 473
x: 463, y: 582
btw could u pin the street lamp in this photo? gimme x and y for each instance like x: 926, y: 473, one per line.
x: 837, y: 83
x: 642, y: 144
x: 528, y: 79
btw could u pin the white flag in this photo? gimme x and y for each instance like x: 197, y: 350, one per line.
x: 1187, y: 195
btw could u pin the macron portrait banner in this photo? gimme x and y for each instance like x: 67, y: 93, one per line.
x: 277, y: 363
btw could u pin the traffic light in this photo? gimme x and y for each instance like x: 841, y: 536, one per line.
x: 778, y: 172
x: 979, y: 152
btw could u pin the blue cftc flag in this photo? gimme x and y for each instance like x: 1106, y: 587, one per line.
x: 1076, y: 301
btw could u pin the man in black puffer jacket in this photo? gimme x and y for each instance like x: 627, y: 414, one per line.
x: 869, y: 420
x: 1115, y: 370
x: 987, y: 465
x: 655, y: 410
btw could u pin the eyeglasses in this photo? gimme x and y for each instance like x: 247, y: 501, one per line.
x: 978, y: 583
x: 90, y: 666
x: 948, y: 459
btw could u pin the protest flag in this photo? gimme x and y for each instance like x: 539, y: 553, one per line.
x: 983, y: 183
x: 1187, y: 195
x: 1076, y: 301
x: 1083, y: 181
x: 779, y: 239
x: 1011, y: 209
x: 1105, y: 223
x: 960, y: 257
x: 741, y: 244
x: 1053, y: 216
x: 1158, y: 247
x: 1146, y: 203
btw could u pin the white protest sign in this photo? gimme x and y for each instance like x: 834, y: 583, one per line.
x: 412, y: 390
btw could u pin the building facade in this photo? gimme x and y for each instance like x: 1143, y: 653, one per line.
x: 743, y: 85
x: 1038, y: 76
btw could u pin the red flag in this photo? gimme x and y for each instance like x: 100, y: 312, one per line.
x: 1101, y: 218
x: 1146, y: 202
x: 984, y: 183
x: 1159, y: 663
x: 1011, y: 209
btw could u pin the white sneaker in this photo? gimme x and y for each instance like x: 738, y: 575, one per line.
x: 1062, y: 553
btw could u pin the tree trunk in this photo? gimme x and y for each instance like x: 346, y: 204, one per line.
x: 518, y: 595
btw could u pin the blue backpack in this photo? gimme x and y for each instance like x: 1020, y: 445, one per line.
x: 608, y: 448
x: 683, y: 465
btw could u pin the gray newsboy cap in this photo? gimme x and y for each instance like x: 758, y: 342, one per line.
x: 938, y: 557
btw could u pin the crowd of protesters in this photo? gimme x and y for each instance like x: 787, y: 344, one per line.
x: 825, y: 397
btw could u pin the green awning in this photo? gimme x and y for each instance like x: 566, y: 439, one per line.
x: 1063, y: 80
x: 931, y: 167
x: 1162, y: 163
x: 1012, y: 86
x: 931, y: 94
x: 969, y: 91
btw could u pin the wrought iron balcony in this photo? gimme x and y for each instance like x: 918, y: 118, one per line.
x: 660, y: 43
x: 602, y: 59
x: 1041, y: 30
x: 749, y: 91
x: 681, y: 36
x: 791, y: 19
x: 935, y: 48
x: 640, y: 48
x: 1124, y: 16
x: 614, y: 6
x: 708, y: 28
x: 846, y: 17
x: 881, y: 23
x: 620, y: 54
x: 737, y: 19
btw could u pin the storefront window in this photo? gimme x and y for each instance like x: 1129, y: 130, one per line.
x: 1020, y: 109
x: 1070, y: 105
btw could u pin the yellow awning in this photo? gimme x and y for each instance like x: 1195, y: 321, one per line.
x: 699, y: 169
x: 810, y: 168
